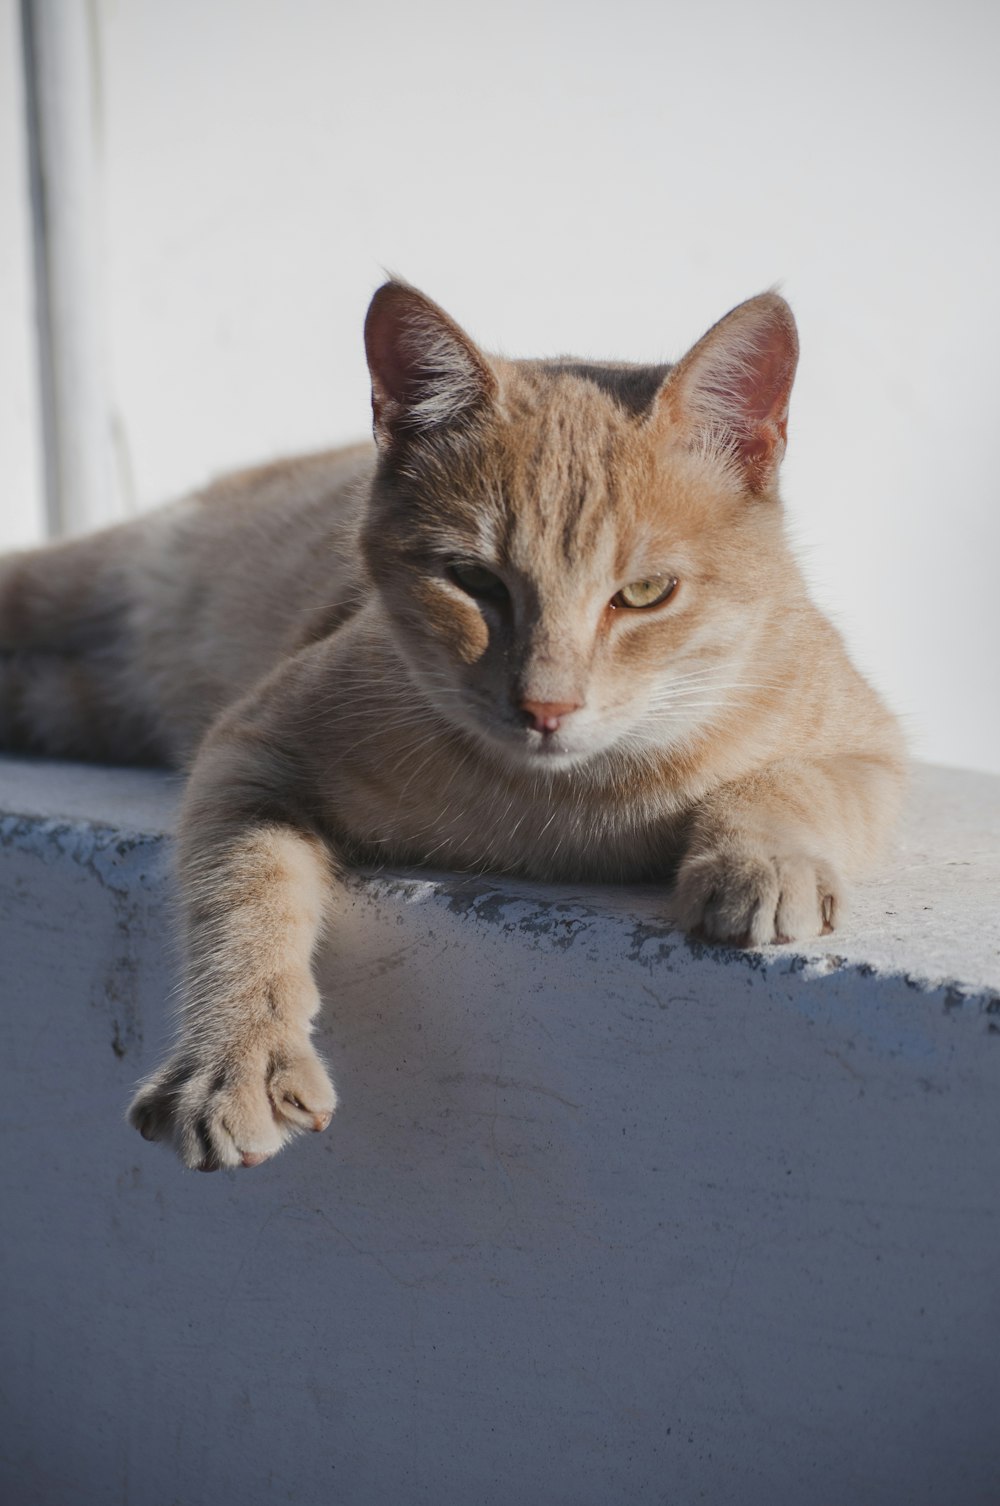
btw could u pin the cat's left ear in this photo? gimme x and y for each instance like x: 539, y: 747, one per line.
x: 730, y: 393
x: 426, y: 373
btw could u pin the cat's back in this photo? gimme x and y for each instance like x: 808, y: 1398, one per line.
x: 230, y: 580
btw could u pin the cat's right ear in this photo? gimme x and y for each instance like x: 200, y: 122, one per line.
x: 729, y: 395
x: 426, y: 373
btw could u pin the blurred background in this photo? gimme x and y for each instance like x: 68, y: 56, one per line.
x: 199, y: 197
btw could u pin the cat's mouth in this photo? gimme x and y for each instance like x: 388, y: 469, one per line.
x: 523, y: 748
x: 549, y: 750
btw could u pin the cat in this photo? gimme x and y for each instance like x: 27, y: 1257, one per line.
x: 549, y: 625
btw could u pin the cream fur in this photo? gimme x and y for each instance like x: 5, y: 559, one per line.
x: 297, y: 637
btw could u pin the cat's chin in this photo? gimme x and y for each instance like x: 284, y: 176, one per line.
x: 542, y: 755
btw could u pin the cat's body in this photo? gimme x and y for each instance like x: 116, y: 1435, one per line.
x: 164, y: 621
x: 550, y: 627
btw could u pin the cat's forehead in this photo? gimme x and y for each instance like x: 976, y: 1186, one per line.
x: 565, y: 483
x: 574, y: 463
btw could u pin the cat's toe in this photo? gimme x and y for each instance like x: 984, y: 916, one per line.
x: 144, y: 1115
x: 153, y: 1109
x: 228, y: 1122
x: 809, y: 901
x: 726, y: 898
x: 301, y: 1093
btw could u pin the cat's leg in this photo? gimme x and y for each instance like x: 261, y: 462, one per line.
x: 769, y: 855
x: 257, y: 884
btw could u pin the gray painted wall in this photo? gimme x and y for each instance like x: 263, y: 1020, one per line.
x: 603, y: 1217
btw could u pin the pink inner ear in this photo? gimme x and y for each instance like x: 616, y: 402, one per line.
x: 393, y: 355
x: 739, y: 380
x: 425, y: 370
x: 746, y: 375
x: 762, y: 392
x: 764, y: 387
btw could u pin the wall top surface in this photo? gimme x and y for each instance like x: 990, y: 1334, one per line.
x: 932, y: 914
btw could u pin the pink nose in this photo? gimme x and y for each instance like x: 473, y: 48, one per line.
x: 545, y: 716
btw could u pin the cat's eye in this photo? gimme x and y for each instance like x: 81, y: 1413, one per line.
x: 651, y: 592
x: 477, y: 581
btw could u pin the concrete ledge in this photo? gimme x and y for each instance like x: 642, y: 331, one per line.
x: 605, y: 1216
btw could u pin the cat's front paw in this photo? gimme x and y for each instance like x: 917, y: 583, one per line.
x: 235, y: 1107
x: 749, y: 898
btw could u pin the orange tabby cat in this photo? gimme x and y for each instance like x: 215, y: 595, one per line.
x: 549, y: 626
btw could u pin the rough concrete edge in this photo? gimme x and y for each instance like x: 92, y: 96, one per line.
x: 116, y: 855
x: 109, y: 852
x: 562, y: 919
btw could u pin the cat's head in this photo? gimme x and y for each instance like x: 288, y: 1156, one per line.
x: 576, y: 558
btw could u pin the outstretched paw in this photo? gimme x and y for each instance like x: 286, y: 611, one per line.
x: 750, y: 899
x: 235, y: 1107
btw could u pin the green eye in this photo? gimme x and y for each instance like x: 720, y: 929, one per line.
x: 477, y: 581
x: 651, y: 592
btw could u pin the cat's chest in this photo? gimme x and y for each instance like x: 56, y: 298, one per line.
x: 461, y: 812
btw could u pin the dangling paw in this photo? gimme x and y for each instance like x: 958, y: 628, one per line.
x: 235, y: 1107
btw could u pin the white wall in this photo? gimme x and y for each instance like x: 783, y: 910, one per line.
x: 600, y: 179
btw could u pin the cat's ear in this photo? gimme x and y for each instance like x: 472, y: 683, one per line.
x: 729, y: 395
x: 426, y: 373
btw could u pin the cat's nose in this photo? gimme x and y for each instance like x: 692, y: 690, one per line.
x: 546, y: 716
